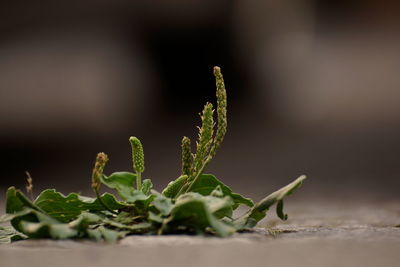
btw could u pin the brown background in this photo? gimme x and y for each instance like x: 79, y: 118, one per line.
x: 313, y: 89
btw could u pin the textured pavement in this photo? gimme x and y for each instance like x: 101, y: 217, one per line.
x: 316, y: 234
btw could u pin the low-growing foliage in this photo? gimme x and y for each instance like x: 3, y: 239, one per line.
x: 194, y: 203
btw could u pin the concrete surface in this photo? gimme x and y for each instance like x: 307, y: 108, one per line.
x: 316, y: 234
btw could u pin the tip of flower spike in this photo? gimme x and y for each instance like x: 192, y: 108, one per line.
x: 185, y: 139
x: 217, y: 69
x: 208, y: 106
x: 137, y: 154
x: 135, y: 142
x: 133, y: 139
x: 101, y: 156
x: 101, y: 160
x: 302, y: 177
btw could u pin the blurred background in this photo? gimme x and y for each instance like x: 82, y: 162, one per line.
x: 313, y: 88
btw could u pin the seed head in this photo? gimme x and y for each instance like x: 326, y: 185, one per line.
x: 29, y: 184
x: 98, y: 169
x: 221, y: 111
x: 205, y: 136
x: 187, y: 156
x: 137, y: 154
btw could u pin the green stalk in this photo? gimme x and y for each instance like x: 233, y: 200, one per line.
x: 198, y: 173
x: 138, y: 180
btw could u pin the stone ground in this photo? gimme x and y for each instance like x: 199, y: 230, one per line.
x: 316, y: 234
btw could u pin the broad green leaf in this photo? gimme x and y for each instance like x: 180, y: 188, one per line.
x: 35, y: 224
x: 123, y: 183
x: 17, y: 201
x: 95, y: 234
x: 155, y: 217
x: 67, y: 208
x: 44, y: 229
x: 220, y: 206
x: 111, y: 236
x: 127, y: 218
x: 93, y: 226
x: 84, y: 220
x: 10, y: 216
x: 137, y: 196
x: 163, y: 204
x: 102, y: 233
x: 87, y: 218
x: 86, y: 225
x: 206, y: 183
x: 133, y: 228
x: 258, y: 212
x: 174, y: 187
x: 33, y: 220
x: 124, y: 217
x: 217, y: 192
x: 8, y: 234
x: 18, y: 204
x: 194, y: 212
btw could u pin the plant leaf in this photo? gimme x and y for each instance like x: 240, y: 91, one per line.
x: 17, y: 201
x: 8, y: 234
x: 102, y: 233
x: 163, y: 204
x: 123, y: 182
x: 67, y: 208
x: 155, y: 217
x: 20, y: 208
x: 206, y: 183
x: 194, y: 212
x: 93, y: 226
x: 33, y: 223
x: 85, y: 219
x: 46, y: 229
x: 133, y: 228
x: 10, y: 216
x: 279, y: 211
x: 220, y: 207
x: 258, y: 212
x: 32, y: 219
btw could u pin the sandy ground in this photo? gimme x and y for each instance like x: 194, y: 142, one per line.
x: 316, y: 234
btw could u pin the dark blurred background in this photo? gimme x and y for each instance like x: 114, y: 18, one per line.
x: 313, y: 88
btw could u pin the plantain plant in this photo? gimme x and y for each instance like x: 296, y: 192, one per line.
x: 194, y: 203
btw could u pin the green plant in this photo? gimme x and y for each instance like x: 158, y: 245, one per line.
x: 194, y: 203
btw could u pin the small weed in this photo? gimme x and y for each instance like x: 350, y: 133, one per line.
x: 194, y: 203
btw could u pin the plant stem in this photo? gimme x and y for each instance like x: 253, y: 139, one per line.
x: 193, y: 181
x: 198, y: 174
x: 138, y: 180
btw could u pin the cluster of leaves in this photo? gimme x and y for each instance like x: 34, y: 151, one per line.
x: 194, y: 203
